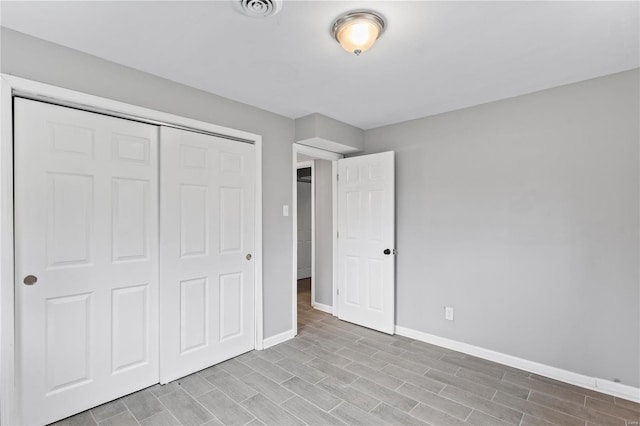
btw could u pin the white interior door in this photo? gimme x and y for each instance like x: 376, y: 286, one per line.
x: 305, y: 237
x: 86, y: 209
x: 207, y: 232
x: 366, y: 238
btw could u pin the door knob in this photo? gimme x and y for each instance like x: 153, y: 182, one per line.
x: 30, y: 280
x: 249, y: 256
x: 387, y: 251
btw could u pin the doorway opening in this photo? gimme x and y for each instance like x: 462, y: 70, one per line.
x: 361, y: 209
x: 314, y: 211
x: 305, y: 187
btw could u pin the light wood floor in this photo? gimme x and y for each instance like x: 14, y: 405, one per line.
x: 334, y: 372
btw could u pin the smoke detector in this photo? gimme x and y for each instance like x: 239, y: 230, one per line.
x: 258, y: 8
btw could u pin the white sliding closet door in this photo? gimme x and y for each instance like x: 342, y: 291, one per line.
x: 207, y: 233
x: 86, y: 228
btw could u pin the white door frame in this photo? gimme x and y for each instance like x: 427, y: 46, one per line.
x: 10, y: 85
x: 319, y: 154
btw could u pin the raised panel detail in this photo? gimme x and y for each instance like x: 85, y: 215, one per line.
x: 194, y: 314
x: 230, y: 306
x: 352, y: 281
x: 353, y: 174
x: 74, y: 140
x: 69, y: 224
x: 130, y: 218
x: 376, y: 171
x: 193, y: 220
x: 131, y: 148
x: 193, y: 157
x: 230, y: 163
x: 129, y: 334
x: 376, y: 283
x: 68, y: 342
x: 375, y: 225
x: 354, y: 221
x: 231, y: 215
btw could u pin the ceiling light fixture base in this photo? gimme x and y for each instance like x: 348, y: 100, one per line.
x: 358, y: 30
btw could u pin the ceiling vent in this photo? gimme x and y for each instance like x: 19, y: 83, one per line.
x: 258, y: 8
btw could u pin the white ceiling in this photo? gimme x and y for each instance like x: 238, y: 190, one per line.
x: 434, y: 56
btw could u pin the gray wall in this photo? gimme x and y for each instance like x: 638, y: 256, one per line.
x: 328, y: 134
x: 324, y: 232
x: 523, y: 215
x: 35, y: 59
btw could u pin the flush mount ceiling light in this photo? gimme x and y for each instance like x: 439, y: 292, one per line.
x: 357, y: 31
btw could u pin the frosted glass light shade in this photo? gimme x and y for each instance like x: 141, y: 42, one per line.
x: 357, y: 31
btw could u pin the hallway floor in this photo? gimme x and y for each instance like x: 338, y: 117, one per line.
x: 335, y: 372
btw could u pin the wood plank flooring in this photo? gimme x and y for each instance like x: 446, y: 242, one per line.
x: 337, y: 373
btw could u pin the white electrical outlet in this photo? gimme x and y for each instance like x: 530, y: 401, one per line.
x: 448, y: 313
x: 285, y: 210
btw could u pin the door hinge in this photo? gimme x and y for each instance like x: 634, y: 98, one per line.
x: 337, y: 177
x: 338, y: 234
x: 338, y: 291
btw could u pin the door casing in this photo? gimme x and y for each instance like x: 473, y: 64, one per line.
x: 11, y: 86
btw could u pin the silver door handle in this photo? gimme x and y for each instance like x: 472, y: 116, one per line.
x: 30, y: 280
x: 249, y: 256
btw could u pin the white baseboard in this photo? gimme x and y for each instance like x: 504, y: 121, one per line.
x: 600, y: 385
x: 324, y: 308
x: 618, y: 389
x: 278, y: 338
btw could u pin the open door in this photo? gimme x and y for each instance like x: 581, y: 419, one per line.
x: 366, y: 238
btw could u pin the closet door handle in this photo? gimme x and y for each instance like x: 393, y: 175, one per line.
x: 249, y: 256
x: 30, y: 280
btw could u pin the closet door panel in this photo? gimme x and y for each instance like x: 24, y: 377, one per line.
x: 207, y: 231
x: 86, y: 226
